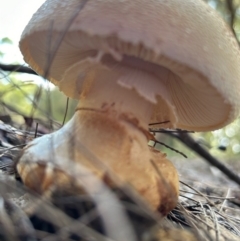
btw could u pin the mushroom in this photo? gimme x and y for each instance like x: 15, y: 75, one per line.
x: 130, y: 63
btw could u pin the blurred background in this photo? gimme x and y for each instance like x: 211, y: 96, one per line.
x: 27, y: 100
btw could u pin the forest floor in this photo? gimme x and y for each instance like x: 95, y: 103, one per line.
x: 209, y: 203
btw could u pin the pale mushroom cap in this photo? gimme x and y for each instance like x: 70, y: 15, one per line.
x: 200, y: 80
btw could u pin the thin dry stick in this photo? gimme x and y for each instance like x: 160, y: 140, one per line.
x: 17, y: 68
x: 200, y: 193
x: 188, y: 198
x: 232, y: 10
x: 214, y: 197
x: 225, y: 200
x: 7, y: 227
x: 66, y: 109
x: 169, y: 147
x: 53, y: 53
x: 36, y: 130
x: 187, y: 140
x: 158, y: 123
x: 10, y: 148
x: 216, y: 225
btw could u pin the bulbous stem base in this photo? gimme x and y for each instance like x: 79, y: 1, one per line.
x: 119, y: 144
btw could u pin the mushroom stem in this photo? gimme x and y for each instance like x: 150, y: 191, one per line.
x: 118, y: 143
x: 113, y: 124
x: 105, y: 94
